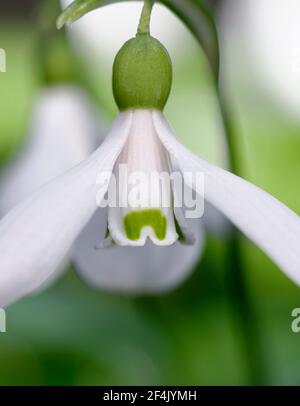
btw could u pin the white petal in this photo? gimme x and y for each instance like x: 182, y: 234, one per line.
x: 37, y: 234
x: 62, y: 134
x: 263, y: 219
x: 142, y: 171
x: 188, y: 235
x: 133, y: 269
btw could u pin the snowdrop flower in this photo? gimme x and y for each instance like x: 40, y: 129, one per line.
x: 36, y: 235
x: 62, y: 133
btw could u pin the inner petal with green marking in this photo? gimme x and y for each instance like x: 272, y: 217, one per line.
x: 144, y: 208
x: 135, y: 221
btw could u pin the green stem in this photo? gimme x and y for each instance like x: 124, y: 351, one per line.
x: 229, y: 133
x: 236, y: 284
x: 243, y: 312
x: 144, y: 25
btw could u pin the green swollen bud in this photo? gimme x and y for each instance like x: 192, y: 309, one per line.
x: 142, y: 74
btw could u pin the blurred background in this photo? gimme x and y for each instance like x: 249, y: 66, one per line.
x: 73, y: 335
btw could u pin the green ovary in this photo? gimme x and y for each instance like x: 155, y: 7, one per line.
x: 135, y: 221
x: 142, y: 74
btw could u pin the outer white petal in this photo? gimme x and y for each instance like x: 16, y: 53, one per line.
x: 37, y: 234
x: 133, y: 269
x: 263, y: 219
x: 62, y: 134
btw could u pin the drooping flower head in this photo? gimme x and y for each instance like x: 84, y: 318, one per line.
x: 130, y: 173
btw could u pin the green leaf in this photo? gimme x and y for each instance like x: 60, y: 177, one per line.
x: 195, y: 14
x: 76, y: 10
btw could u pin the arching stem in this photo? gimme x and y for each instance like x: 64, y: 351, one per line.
x: 144, y: 24
x: 235, y: 280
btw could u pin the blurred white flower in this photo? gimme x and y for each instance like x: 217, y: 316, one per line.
x: 62, y: 133
x: 265, y: 35
x: 37, y: 234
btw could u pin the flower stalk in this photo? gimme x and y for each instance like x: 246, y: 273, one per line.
x: 236, y: 285
x: 144, y: 24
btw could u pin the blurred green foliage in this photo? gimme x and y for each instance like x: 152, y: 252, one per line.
x: 72, y: 335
